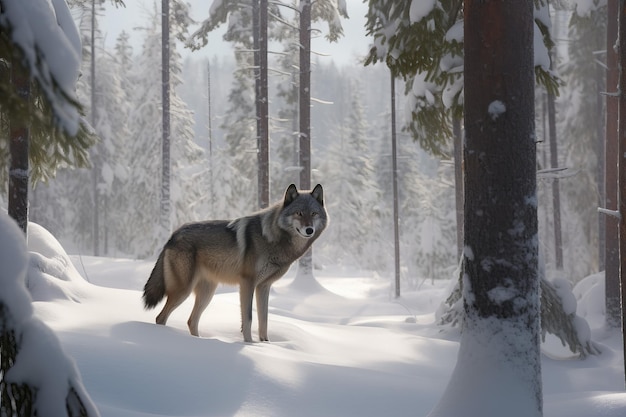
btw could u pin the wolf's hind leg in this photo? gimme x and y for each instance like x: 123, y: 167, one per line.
x: 204, y: 291
x: 174, y: 299
x: 246, y: 293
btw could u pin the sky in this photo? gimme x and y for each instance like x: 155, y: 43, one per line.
x: 353, y: 44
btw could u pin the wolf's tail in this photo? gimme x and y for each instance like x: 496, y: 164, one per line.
x: 154, y: 290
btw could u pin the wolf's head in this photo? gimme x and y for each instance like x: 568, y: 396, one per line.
x: 304, y: 212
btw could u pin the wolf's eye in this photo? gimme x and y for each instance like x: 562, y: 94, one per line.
x: 314, y: 214
x: 299, y: 213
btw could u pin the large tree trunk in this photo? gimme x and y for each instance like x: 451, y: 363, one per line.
x: 262, y: 103
x: 394, y: 173
x: 621, y: 128
x: 165, y: 94
x: 458, y: 183
x: 501, y: 333
x: 611, y: 223
x: 95, y: 159
x: 18, y: 149
x: 305, y: 265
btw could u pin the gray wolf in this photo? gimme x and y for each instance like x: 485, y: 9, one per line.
x: 252, y: 251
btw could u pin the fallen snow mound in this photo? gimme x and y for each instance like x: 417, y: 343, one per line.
x: 51, y: 274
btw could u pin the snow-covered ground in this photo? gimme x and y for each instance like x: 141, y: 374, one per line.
x: 346, y: 349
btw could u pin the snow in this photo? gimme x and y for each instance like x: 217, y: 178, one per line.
x: 41, y: 361
x: 45, y: 32
x: 585, y: 7
x: 487, y: 381
x: 541, y: 56
x: 420, y: 9
x: 496, y: 108
x: 345, y: 348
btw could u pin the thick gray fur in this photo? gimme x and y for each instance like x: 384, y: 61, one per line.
x: 252, y: 252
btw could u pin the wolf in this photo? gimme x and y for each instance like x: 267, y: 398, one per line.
x: 252, y: 251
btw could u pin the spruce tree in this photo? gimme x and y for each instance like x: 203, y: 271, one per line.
x: 501, y: 329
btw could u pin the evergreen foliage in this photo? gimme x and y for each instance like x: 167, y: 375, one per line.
x: 427, y: 52
x: 556, y: 319
x: 581, y: 125
x: 349, y: 176
x: 128, y: 121
x: 16, y: 400
x: 51, y: 144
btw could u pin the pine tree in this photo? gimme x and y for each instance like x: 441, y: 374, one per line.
x: 582, y: 124
x: 500, y: 263
x: 56, y: 134
x: 426, y: 48
x: 349, y: 176
x: 144, y: 125
x: 285, y: 124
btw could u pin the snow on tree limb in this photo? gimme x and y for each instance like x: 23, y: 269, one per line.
x: 49, y: 44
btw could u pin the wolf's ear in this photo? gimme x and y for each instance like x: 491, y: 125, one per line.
x: 318, y: 194
x: 291, y: 194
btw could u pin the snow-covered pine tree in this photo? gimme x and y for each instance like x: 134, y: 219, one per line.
x: 56, y: 134
x: 239, y: 125
x: 284, y: 148
x: 239, y: 122
x: 581, y: 122
x: 145, y: 127
x: 425, y: 207
x: 500, y: 338
x: 113, y: 107
x: 349, y: 176
x: 51, y: 207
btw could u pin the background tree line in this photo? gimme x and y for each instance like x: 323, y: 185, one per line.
x: 214, y: 172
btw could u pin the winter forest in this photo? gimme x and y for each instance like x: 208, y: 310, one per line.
x: 111, y: 168
x: 214, y: 160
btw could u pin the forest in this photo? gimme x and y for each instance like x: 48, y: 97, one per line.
x: 351, y: 149
x: 501, y: 219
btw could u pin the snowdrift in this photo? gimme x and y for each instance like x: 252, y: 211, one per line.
x: 345, y: 348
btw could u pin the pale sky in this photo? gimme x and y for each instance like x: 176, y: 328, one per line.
x: 353, y: 44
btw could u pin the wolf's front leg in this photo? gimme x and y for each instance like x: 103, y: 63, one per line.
x: 262, y: 302
x: 246, y: 292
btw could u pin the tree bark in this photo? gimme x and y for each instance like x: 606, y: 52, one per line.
x: 611, y: 223
x: 95, y: 172
x: 501, y: 333
x: 621, y: 164
x: 305, y: 265
x: 165, y: 93
x: 556, y: 197
x: 263, y: 108
x: 19, y: 134
x: 394, y: 169
x: 458, y: 183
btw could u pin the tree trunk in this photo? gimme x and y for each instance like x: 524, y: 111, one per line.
x: 611, y: 223
x: 165, y: 77
x: 305, y: 265
x: 458, y: 183
x: 210, y: 127
x: 600, y: 170
x: 501, y: 333
x: 621, y: 128
x: 262, y: 107
x: 95, y: 172
x: 394, y: 170
x: 556, y: 197
x: 19, y: 133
